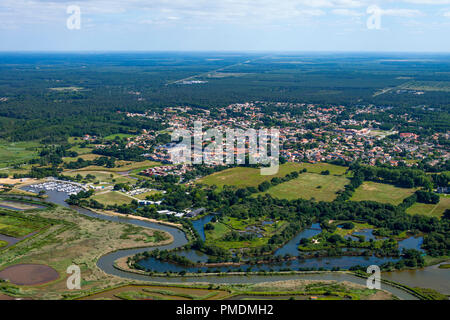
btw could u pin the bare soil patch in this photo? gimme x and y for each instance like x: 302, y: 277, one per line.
x: 29, y: 274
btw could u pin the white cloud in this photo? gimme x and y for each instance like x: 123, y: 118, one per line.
x: 401, y: 12
x: 250, y: 12
x: 347, y: 12
x: 431, y: 2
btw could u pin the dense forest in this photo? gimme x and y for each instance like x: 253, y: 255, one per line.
x: 53, y: 96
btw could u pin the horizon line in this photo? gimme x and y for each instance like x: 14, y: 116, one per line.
x: 225, y: 51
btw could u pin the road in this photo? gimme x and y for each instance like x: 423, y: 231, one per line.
x: 216, y: 70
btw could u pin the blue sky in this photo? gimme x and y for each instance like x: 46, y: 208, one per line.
x: 232, y: 25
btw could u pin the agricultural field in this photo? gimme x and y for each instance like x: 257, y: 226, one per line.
x: 111, y: 198
x: 77, y: 147
x: 434, y: 210
x: 124, y: 166
x: 17, y: 152
x: 16, y: 169
x: 101, y: 176
x: 319, y: 167
x: 81, y: 150
x: 86, y: 156
x: 310, y: 186
x: 380, y: 192
x: 246, y: 177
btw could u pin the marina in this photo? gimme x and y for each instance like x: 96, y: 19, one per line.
x: 59, y: 186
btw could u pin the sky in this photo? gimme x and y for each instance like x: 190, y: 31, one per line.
x: 225, y: 25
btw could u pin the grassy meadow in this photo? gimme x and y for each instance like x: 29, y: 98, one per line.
x: 112, y: 197
x: 248, y: 177
x: 434, y: 210
x: 17, y: 152
x: 124, y: 166
x: 380, y: 192
x: 310, y: 186
x: 101, y: 176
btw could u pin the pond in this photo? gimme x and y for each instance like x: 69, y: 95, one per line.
x: 199, y: 225
x: 291, y: 246
x: 411, y: 243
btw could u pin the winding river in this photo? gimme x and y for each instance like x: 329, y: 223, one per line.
x: 106, y: 262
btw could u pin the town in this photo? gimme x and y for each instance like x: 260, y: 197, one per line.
x: 316, y: 135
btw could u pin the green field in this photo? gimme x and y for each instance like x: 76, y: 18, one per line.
x: 81, y: 150
x: 16, y: 152
x: 20, y: 170
x: 434, y: 210
x: 112, y: 197
x: 308, y: 186
x: 16, y: 226
x: 101, y: 176
x: 123, y: 166
x: 219, y: 231
x: 85, y: 156
x: 380, y: 192
x: 120, y: 135
x: 143, y: 196
x: 319, y: 167
x: 247, y: 177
